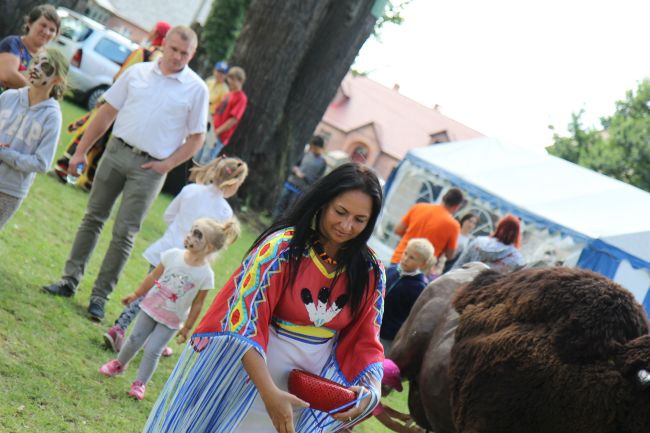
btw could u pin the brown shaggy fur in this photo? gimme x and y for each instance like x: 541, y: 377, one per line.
x: 552, y: 350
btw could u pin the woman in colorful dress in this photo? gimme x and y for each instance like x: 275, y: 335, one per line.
x: 308, y: 296
x: 41, y: 26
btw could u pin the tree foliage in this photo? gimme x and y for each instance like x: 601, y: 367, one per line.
x: 620, y: 148
x: 222, y: 27
x: 392, y: 15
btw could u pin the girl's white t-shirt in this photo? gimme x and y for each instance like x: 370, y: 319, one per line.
x: 193, y: 202
x: 170, y: 299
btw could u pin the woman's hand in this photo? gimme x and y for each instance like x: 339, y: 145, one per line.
x: 279, y: 405
x: 357, y: 410
x: 128, y: 299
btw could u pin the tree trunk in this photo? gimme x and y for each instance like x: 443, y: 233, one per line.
x: 14, y: 11
x: 295, y: 53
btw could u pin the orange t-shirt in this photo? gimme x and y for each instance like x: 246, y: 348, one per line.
x: 429, y: 221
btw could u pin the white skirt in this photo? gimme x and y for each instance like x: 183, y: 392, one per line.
x: 283, y: 354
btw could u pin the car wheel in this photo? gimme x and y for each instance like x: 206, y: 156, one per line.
x: 94, y: 96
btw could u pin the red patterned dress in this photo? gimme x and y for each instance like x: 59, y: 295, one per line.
x: 306, y: 325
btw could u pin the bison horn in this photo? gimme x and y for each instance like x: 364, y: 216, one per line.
x: 644, y: 377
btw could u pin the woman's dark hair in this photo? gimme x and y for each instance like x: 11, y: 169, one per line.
x: 353, y: 256
x: 45, y: 10
x: 467, y: 217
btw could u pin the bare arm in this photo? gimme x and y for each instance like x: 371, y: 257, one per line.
x: 397, y: 414
x: 400, y: 229
x: 386, y: 419
x: 145, y: 286
x: 98, y: 126
x: 450, y: 253
x: 297, y: 171
x: 358, y: 409
x: 182, y: 154
x: 195, y: 310
x: 9, y: 75
x: 225, y: 126
x: 278, y: 403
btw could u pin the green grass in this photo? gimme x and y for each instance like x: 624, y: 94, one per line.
x: 49, y: 350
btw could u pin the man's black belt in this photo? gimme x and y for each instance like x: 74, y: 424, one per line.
x: 135, y: 149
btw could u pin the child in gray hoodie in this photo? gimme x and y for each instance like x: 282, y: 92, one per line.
x: 30, y: 123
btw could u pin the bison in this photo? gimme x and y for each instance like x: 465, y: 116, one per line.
x: 549, y: 350
x: 554, y: 350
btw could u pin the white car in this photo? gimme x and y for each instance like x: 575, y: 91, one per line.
x: 95, y: 52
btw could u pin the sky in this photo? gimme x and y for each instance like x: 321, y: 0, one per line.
x: 508, y: 68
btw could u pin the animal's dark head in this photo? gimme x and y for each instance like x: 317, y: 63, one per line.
x: 634, y: 363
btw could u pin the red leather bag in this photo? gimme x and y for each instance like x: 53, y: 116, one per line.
x: 321, y: 394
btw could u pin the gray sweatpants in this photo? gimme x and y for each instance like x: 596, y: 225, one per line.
x: 8, y: 207
x: 154, y: 336
x: 119, y: 172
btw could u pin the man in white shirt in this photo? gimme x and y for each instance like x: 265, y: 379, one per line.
x: 160, y: 111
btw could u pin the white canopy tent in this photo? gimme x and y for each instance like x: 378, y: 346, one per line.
x: 571, y: 215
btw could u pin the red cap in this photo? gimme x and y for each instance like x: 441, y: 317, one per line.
x: 392, y: 376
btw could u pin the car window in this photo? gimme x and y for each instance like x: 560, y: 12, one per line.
x: 74, y: 29
x: 112, y: 50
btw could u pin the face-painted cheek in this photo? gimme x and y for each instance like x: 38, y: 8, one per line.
x: 47, y: 69
x: 197, y: 243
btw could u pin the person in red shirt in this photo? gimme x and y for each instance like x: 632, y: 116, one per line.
x: 434, y: 222
x: 226, y: 116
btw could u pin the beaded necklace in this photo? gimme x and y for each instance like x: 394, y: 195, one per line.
x: 320, y: 252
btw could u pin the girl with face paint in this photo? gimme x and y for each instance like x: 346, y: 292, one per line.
x: 30, y: 122
x: 174, y: 293
x: 206, y: 198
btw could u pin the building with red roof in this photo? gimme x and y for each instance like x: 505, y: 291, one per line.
x: 377, y: 125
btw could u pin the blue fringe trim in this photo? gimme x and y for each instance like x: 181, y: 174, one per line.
x: 209, y: 391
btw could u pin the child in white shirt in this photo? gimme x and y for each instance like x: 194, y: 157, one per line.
x: 216, y: 181
x: 174, y: 293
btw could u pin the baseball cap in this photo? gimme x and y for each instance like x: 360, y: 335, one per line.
x: 392, y: 376
x: 221, y: 66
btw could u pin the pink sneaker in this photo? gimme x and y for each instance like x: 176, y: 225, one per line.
x: 137, y: 389
x: 167, y: 351
x: 114, y: 338
x: 112, y: 368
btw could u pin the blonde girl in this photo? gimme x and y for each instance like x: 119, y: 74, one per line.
x: 216, y: 181
x: 30, y: 123
x: 174, y: 293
